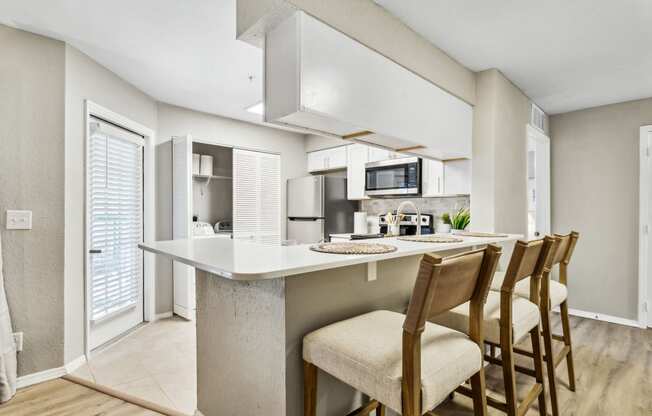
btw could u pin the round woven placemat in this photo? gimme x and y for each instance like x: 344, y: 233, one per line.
x: 431, y: 239
x: 353, y: 248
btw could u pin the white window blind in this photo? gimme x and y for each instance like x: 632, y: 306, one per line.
x: 257, y: 196
x: 116, y: 219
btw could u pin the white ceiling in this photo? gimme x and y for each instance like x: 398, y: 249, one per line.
x: 565, y: 55
x: 182, y: 52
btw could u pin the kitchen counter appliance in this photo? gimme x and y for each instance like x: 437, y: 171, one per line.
x: 408, y: 226
x: 318, y: 207
x: 393, y: 177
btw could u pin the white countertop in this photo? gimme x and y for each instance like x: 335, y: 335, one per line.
x: 245, y: 260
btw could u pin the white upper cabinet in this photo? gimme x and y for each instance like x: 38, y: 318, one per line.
x: 358, y: 156
x: 320, y: 80
x: 327, y: 159
x: 432, y: 177
x: 457, y: 177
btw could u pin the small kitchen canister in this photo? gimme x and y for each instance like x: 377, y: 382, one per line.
x: 195, y: 164
x: 360, y: 223
x: 206, y: 165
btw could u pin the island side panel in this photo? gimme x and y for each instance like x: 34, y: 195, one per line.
x: 240, y: 346
x: 314, y: 300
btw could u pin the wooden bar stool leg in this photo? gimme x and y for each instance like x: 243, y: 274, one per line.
x: 509, y: 377
x: 550, y: 359
x: 479, y: 393
x: 380, y: 410
x: 538, y: 368
x: 309, y: 389
x: 567, y: 341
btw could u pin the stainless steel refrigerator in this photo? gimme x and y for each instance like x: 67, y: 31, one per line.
x: 318, y: 207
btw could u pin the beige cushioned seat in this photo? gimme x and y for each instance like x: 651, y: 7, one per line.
x: 365, y: 353
x: 525, y: 316
x: 558, y: 291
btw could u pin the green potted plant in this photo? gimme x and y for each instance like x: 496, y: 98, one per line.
x: 460, y: 220
x: 445, y: 226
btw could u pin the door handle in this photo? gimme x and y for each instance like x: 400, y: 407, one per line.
x: 95, y: 251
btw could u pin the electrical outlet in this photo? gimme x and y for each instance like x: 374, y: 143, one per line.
x: 18, y: 340
x: 19, y: 220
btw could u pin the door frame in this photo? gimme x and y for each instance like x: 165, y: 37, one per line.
x: 149, y: 220
x: 539, y: 136
x: 645, y: 218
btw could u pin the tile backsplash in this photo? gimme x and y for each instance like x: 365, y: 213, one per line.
x: 434, y: 206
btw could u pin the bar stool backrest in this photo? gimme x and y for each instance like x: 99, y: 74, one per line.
x: 564, y: 253
x: 442, y: 284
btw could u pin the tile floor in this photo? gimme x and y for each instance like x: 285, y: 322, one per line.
x: 156, y: 362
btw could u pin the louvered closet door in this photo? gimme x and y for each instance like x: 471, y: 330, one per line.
x: 115, y: 227
x: 257, y: 196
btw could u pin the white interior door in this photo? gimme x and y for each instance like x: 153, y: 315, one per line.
x: 256, y: 196
x: 114, y: 230
x: 183, y: 276
x: 538, y: 183
x: 645, y: 222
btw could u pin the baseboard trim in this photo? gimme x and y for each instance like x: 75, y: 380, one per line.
x: 164, y: 315
x: 185, y: 313
x: 40, y: 377
x: 603, y: 317
x: 72, y: 366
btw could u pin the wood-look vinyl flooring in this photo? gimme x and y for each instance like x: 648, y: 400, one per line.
x: 62, y: 398
x: 613, y: 365
x: 613, y: 368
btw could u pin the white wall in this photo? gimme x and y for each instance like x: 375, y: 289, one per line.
x: 177, y: 121
x: 86, y: 79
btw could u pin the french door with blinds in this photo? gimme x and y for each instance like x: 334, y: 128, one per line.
x: 256, y: 196
x: 114, y: 229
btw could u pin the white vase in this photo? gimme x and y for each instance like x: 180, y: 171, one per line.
x: 444, y: 228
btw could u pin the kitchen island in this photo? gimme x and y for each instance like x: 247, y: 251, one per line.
x: 256, y: 302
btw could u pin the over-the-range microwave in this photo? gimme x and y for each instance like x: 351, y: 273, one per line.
x: 393, y: 177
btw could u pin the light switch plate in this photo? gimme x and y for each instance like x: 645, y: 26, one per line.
x: 19, y: 220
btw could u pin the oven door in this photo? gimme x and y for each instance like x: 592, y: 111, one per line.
x: 393, y: 177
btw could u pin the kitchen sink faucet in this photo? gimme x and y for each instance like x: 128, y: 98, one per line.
x: 400, y: 208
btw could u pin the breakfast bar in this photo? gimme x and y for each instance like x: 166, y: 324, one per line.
x: 255, y: 303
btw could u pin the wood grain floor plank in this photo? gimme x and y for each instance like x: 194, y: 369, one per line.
x: 613, y: 366
x: 63, y: 398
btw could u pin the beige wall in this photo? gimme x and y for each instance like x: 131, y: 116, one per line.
x: 595, y: 175
x: 374, y: 27
x: 87, y: 80
x: 32, y: 178
x: 499, y: 185
x: 177, y: 121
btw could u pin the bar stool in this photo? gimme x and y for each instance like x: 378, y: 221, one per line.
x: 412, y: 374
x: 509, y: 319
x: 553, y: 294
